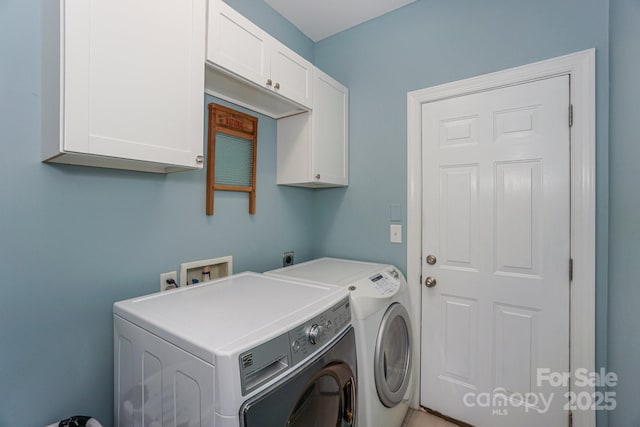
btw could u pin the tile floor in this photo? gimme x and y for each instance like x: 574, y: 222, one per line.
x: 423, y: 419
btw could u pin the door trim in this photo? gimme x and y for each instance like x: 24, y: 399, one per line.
x: 580, y: 67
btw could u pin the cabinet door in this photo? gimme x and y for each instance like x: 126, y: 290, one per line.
x: 133, y: 79
x: 236, y: 44
x: 292, y: 75
x: 330, y: 151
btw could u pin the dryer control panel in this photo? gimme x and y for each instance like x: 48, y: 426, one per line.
x: 315, y: 333
x: 385, y: 282
x: 270, y: 359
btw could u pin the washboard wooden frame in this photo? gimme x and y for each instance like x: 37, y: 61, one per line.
x: 224, y: 120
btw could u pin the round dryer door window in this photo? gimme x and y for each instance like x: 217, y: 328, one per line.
x: 392, y: 362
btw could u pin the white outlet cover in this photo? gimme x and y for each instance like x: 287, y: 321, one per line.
x: 395, y: 233
x: 166, y: 276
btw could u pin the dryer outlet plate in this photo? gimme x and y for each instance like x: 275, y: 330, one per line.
x: 287, y: 259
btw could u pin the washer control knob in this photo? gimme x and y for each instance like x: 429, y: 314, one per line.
x: 296, y: 345
x: 314, y: 333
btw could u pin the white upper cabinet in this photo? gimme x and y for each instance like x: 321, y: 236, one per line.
x: 235, y: 44
x: 313, y: 147
x: 240, y: 54
x: 291, y: 74
x: 122, y: 83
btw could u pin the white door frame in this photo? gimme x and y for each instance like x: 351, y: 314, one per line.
x: 580, y: 67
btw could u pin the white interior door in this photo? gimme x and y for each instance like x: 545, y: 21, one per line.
x: 496, y: 181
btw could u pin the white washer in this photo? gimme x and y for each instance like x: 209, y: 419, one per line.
x: 379, y: 303
x: 247, y: 350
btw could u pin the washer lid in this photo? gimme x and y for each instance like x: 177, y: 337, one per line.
x: 341, y: 272
x: 225, y: 316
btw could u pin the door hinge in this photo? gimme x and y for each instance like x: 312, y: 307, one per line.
x: 570, y: 115
x: 570, y: 419
x: 570, y: 269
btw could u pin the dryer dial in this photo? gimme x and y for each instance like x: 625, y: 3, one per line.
x: 314, y: 333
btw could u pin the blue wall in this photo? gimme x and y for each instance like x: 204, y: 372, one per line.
x: 430, y: 42
x: 427, y: 43
x: 74, y: 239
x: 624, y: 269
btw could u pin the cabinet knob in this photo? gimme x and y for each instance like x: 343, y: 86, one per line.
x: 269, y: 82
x: 277, y: 86
x: 317, y: 176
x: 199, y: 159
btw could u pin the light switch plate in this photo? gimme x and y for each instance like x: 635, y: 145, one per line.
x: 395, y: 233
x: 395, y: 213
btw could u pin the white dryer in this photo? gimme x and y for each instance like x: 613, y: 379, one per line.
x: 379, y: 304
x: 243, y: 351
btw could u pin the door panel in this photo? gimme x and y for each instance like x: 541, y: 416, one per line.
x: 459, y: 213
x: 496, y: 217
x: 460, y: 348
x: 514, y: 335
x: 517, y: 207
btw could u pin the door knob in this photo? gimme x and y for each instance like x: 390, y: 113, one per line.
x: 430, y: 282
x: 277, y: 86
x: 269, y: 82
x: 431, y: 259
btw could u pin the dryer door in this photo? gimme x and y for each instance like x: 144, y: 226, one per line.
x: 321, y: 393
x: 328, y: 399
x: 392, y: 362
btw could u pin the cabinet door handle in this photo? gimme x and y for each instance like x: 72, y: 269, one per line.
x: 277, y: 86
x: 269, y: 82
x: 199, y: 159
x: 317, y: 176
